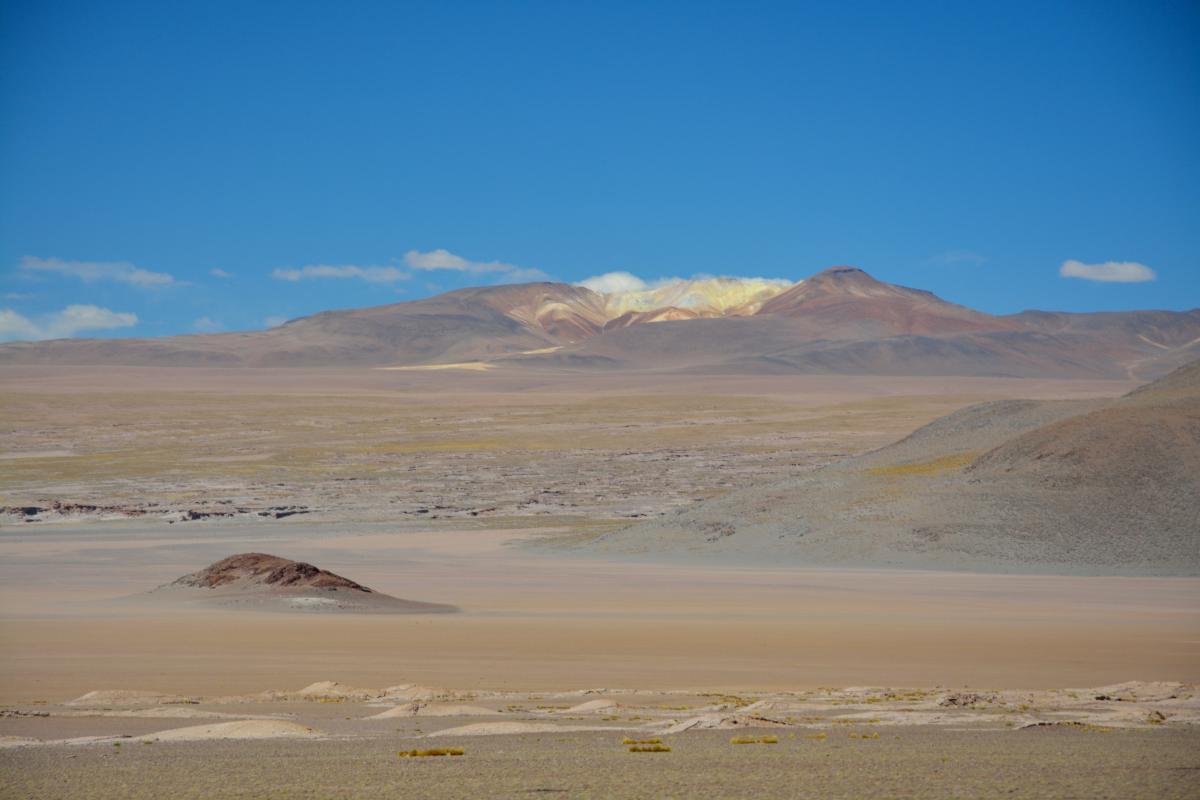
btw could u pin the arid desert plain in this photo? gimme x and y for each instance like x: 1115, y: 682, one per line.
x: 507, y: 495
x: 626, y: 400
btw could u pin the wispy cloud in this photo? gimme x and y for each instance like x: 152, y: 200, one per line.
x: 274, y: 321
x: 17, y: 296
x: 61, y: 324
x: 623, y: 282
x: 207, y: 325
x: 1109, y: 271
x: 369, y: 274
x: 217, y: 272
x: 414, y: 261
x: 445, y: 260
x: 90, y: 271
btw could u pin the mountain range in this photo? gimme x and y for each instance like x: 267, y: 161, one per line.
x: 840, y: 320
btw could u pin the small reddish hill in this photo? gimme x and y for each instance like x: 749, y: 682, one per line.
x: 268, y: 570
x: 259, y: 581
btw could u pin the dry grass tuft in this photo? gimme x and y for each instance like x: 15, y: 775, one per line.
x: 439, y: 751
x: 650, y: 748
x: 754, y: 740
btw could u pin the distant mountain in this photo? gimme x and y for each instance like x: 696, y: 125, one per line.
x: 840, y: 320
x: 847, y: 303
x: 1096, y: 487
x: 464, y: 325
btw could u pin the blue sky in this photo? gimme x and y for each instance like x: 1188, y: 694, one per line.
x: 183, y: 164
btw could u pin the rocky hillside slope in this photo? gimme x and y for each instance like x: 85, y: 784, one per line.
x: 1014, y: 486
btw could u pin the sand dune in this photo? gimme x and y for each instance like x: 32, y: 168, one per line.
x: 247, y: 729
x: 594, y: 707
x: 126, y: 697
x: 162, y: 712
x: 508, y: 728
x: 220, y: 731
x: 434, y: 710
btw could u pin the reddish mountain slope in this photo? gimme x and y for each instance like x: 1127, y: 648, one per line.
x: 847, y: 303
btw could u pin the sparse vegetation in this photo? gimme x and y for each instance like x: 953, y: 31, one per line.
x: 931, y: 467
x: 729, y: 699
x: 650, y: 748
x: 754, y: 740
x: 437, y: 751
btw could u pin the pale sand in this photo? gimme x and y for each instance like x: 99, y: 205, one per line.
x: 568, y: 623
x: 435, y: 710
x: 218, y: 731
x: 1121, y: 741
x: 247, y: 729
x: 510, y: 728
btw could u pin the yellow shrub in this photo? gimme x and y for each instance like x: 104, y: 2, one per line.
x: 440, y: 751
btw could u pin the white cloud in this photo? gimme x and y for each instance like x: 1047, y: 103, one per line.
x: 627, y: 282
x: 445, y: 260
x: 17, y: 296
x: 433, y: 261
x: 274, y: 321
x: 614, y: 282
x: 1109, y: 271
x: 369, y: 274
x: 119, y: 271
x: 217, y: 272
x: 17, y: 326
x: 62, y: 324
x: 207, y: 325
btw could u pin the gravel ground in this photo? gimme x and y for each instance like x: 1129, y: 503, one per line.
x: 918, y: 763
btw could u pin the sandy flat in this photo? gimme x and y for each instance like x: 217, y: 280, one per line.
x: 563, y: 623
x: 512, y: 728
x: 244, y: 729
